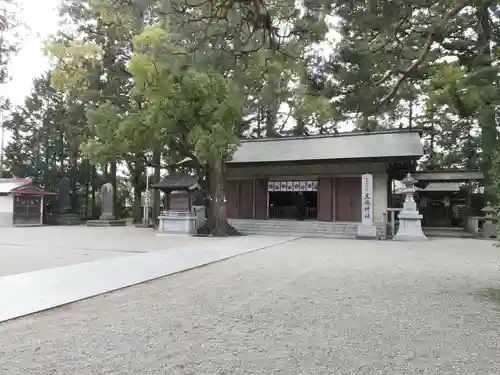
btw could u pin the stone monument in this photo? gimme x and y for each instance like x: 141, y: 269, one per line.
x: 107, y: 219
x: 366, y: 230
x: 64, y: 196
x: 410, y: 227
x: 65, y: 214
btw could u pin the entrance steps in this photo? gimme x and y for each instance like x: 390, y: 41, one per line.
x: 297, y: 228
x: 448, y: 232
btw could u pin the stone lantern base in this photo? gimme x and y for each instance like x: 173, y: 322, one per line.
x: 410, y: 228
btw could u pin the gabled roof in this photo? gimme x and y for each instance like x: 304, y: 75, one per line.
x: 443, y: 187
x: 21, y: 186
x: 385, y: 144
x: 178, y: 181
x: 31, y: 190
x: 455, y: 175
x: 8, y: 184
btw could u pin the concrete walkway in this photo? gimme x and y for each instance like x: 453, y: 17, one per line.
x: 37, y: 248
x: 31, y: 292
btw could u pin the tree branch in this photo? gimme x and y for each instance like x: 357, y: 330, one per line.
x: 434, y: 35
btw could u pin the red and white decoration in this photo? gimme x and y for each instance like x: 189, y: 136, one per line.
x: 292, y: 185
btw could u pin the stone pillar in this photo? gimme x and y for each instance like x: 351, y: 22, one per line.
x: 366, y: 229
x: 410, y: 227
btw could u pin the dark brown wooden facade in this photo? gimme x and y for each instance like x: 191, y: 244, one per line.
x: 339, y: 199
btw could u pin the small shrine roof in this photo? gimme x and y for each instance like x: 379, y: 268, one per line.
x: 8, y: 184
x: 178, y: 181
x: 31, y: 190
x: 449, y: 175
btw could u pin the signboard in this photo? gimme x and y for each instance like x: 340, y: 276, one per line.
x: 367, y: 199
x: 292, y: 185
x: 146, y: 198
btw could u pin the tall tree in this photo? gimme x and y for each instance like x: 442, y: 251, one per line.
x: 443, y: 50
x: 91, y: 69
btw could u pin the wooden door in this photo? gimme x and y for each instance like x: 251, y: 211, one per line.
x: 27, y: 210
x: 348, y: 199
x: 232, y: 190
x: 325, y: 199
x: 246, y: 199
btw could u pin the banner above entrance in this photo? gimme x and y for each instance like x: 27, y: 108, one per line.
x: 292, y: 185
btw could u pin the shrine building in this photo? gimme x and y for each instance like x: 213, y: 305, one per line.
x: 328, y: 184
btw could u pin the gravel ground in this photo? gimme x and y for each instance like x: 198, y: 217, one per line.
x: 313, y: 306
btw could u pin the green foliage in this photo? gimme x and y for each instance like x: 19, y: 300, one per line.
x: 495, y: 176
x: 73, y: 61
x: 199, y: 109
x: 151, y: 82
x: 104, y: 122
x: 11, y: 29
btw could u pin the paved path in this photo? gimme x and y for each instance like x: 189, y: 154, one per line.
x: 37, y: 248
x: 314, y: 306
x: 31, y: 292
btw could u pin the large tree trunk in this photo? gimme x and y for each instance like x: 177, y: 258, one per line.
x: 93, y: 179
x: 486, y: 116
x: 217, y: 213
x: 137, y: 171
x: 156, y: 193
x: 113, y: 180
x: 88, y: 179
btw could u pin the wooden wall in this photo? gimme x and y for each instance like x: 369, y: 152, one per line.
x: 246, y: 199
x: 339, y: 199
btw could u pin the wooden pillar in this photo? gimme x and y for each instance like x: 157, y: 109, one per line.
x: 167, y: 200
x: 260, y: 201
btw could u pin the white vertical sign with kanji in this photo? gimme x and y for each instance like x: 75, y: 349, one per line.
x: 367, y: 199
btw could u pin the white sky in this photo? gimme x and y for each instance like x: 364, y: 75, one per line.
x: 41, y: 17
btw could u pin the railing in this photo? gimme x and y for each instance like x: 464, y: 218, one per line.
x: 197, y: 211
x: 391, y: 220
x: 482, y: 226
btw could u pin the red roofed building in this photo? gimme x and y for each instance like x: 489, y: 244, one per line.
x: 21, y: 202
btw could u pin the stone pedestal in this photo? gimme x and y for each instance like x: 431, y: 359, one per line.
x: 368, y: 232
x: 181, y: 222
x: 177, y: 223
x: 410, y: 227
x: 68, y: 218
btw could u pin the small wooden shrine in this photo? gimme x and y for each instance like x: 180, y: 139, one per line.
x: 179, y: 215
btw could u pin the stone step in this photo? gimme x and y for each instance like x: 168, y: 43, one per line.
x: 444, y: 229
x: 296, y: 228
x: 447, y: 233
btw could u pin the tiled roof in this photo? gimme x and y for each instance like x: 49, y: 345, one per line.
x: 443, y: 186
x: 455, y: 175
x: 392, y: 144
x: 8, y: 184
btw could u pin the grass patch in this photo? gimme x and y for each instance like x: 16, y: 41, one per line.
x: 492, y: 294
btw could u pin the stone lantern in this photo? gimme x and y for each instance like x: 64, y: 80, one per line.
x: 489, y: 224
x: 410, y: 227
